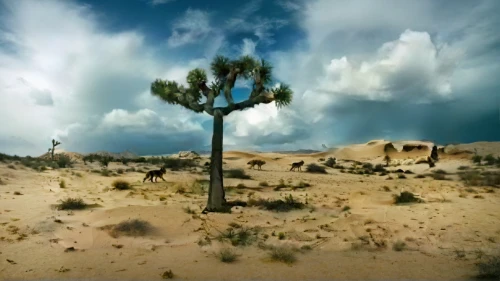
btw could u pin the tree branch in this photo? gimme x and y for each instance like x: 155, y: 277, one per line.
x: 264, y: 97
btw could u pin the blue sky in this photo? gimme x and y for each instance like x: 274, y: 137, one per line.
x: 80, y: 71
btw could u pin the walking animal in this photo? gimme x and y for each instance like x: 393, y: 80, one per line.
x: 297, y: 165
x: 257, y: 162
x: 155, y: 174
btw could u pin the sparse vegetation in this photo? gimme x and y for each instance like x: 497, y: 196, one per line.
x: 283, y: 254
x: 72, y: 204
x: 316, y: 169
x: 406, y: 197
x: 476, y: 178
x: 177, y: 164
x: 302, y: 184
x: 490, y: 159
x: 227, y: 255
x: 489, y: 268
x: 134, y: 227
x: 279, y: 205
x: 477, y: 159
x: 62, y: 184
x: 399, y: 246
x: 236, y: 174
x: 263, y: 183
x: 330, y: 162
x: 121, y: 185
x: 242, y: 236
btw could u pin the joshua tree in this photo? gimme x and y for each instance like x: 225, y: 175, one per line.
x: 54, y: 144
x: 226, y: 71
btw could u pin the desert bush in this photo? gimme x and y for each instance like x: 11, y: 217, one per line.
x: 227, y: 255
x: 135, y: 227
x: 386, y: 188
x: 279, y: 205
x: 121, y: 185
x: 130, y: 170
x: 242, y: 236
x: 105, y: 160
x: 281, y: 185
x: 64, y: 161
x: 439, y: 171
x: 461, y: 168
x: 379, y: 168
x: 105, y: 173
x: 62, y: 184
x: 368, y: 166
x: 330, y: 162
x: 439, y: 177
x: 489, y: 268
x: 283, y: 254
x: 263, y: 183
x: 176, y: 164
x: 399, y: 246
x: 475, y: 178
x: 477, y: 159
x: 315, y: 169
x: 401, y: 176
x: 120, y: 171
x: 420, y: 176
x: 72, y: 204
x: 10, y: 166
x: 406, y: 197
x: 236, y: 174
x: 490, y: 160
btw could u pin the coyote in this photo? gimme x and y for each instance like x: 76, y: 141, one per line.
x: 297, y: 165
x: 155, y: 174
x: 254, y: 162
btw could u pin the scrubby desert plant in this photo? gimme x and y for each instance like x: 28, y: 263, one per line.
x: 279, y: 205
x: 227, y: 255
x: 490, y: 159
x: 236, y: 174
x: 315, y: 169
x: 406, y: 197
x: 330, y: 162
x: 62, y: 184
x: 72, y: 204
x: 283, y: 254
x: 134, y: 227
x: 121, y: 185
x: 489, y: 268
x: 477, y: 159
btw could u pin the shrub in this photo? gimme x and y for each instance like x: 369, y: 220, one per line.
x: 438, y: 176
x: 242, y: 236
x: 489, y: 268
x: 368, y: 166
x: 227, y: 255
x: 135, y: 227
x: 379, y: 168
x: 477, y: 159
x: 105, y: 173
x: 283, y: 254
x: 490, y: 160
x: 62, y: 184
x: 176, y: 164
x: 302, y: 184
x: 263, y: 183
x: 105, y: 160
x: 121, y: 185
x: 277, y: 205
x: 315, y: 169
x: 399, y: 246
x: 120, y: 171
x: 330, y: 162
x: 406, y: 197
x: 439, y: 171
x: 236, y: 174
x: 72, y: 204
x: 63, y: 161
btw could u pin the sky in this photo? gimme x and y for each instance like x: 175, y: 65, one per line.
x: 80, y: 71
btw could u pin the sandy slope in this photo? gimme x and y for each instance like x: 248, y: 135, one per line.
x: 436, y: 232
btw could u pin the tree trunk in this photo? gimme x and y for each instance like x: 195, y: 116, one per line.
x: 53, y: 147
x: 216, y: 194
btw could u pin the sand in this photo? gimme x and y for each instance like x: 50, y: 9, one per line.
x: 443, y: 236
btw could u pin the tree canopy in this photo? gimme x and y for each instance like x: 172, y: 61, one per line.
x: 226, y: 72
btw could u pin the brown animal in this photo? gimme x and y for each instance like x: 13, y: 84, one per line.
x: 155, y: 174
x: 257, y: 162
x: 297, y: 165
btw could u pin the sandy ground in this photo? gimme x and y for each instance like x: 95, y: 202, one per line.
x: 444, y: 236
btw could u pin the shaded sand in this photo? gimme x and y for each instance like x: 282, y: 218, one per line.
x: 349, y: 222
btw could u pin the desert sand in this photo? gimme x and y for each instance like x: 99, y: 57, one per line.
x: 350, y: 228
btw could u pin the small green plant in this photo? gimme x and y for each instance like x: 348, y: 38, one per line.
x: 62, y: 184
x: 490, y: 160
x: 240, y: 237
x: 121, y: 185
x: 281, y: 236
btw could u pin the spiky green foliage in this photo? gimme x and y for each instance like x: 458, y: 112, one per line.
x: 282, y: 95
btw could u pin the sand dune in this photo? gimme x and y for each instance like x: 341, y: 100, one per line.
x: 350, y: 228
